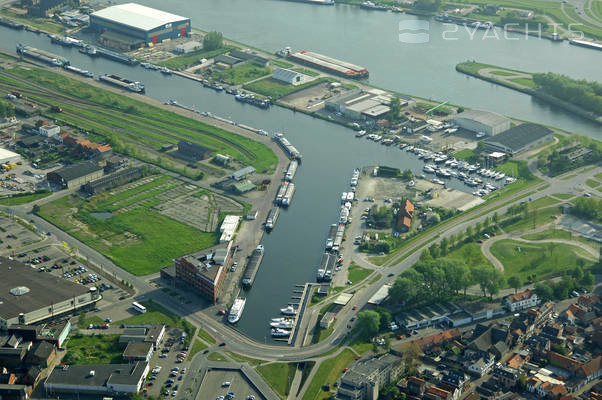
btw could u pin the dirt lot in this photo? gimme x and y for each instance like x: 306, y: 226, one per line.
x: 311, y: 98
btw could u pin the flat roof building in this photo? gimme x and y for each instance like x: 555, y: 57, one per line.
x: 25, y: 298
x: 290, y: 77
x: 488, y: 122
x: 7, y: 156
x: 362, y: 105
x: 137, y: 25
x: 76, y: 175
x: 98, y: 379
x: 520, y: 138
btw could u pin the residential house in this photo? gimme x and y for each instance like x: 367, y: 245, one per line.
x: 415, y: 386
x: 521, y: 301
x: 589, y: 371
x: 437, y: 339
x: 435, y: 393
x: 564, y: 362
x: 506, y: 376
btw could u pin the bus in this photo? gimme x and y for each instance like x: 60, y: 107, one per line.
x: 139, y: 307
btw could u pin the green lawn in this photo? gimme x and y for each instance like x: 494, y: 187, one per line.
x: 279, y: 376
x: 238, y: 75
x: 93, y: 349
x: 592, y: 183
x: 470, y: 253
x: 464, y: 154
x: 206, y: 336
x: 541, y: 217
x: 549, y: 234
x: 197, y: 346
x: 544, y: 202
x: 357, y: 273
x: 139, y: 129
x: 564, y: 196
x: 156, y: 314
x: 545, y: 260
x: 185, y: 60
x: 23, y: 198
x: 216, y: 357
x: 502, y: 73
x: 129, y: 238
x: 44, y: 24
x: 328, y: 372
x: 281, y: 64
x: 83, y: 322
x: 275, y: 89
x: 524, y: 81
x: 306, y: 71
x: 251, y: 361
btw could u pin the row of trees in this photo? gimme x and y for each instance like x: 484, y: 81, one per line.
x: 213, y: 41
x: 7, y: 109
x: 589, y: 208
x: 428, y: 5
x: 562, y: 289
x: 374, y: 321
x: 587, y: 94
x: 442, y: 279
x: 513, y: 17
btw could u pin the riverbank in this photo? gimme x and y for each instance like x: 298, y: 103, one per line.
x: 520, y: 81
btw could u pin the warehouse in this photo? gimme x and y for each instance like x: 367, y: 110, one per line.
x: 111, y: 181
x: 519, y: 139
x: 193, y: 151
x: 362, y: 105
x: 290, y: 77
x: 488, y: 122
x: 108, y: 379
x: 8, y: 156
x: 76, y: 175
x: 26, y: 299
x: 129, y: 26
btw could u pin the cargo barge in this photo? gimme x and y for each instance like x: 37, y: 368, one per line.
x: 288, y: 148
x: 280, y: 194
x: 270, y: 221
x: 291, y: 170
x: 329, y: 64
x: 122, y: 83
x: 111, y: 55
x: 326, y: 268
x: 11, y: 24
x: 317, y: 2
x: 66, y: 41
x: 288, y: 195
x: 338, y: 238
x: 252, y: 100
x: 331, y: 235
x: 42, y: 55
x: 252, y: 267
x: 585, y: 43
x: 79, y: 71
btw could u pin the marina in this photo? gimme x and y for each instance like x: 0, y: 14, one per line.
x: 329, y: 64
x: 252, y: 266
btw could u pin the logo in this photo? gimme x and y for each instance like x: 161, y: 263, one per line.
x: 414, y: 31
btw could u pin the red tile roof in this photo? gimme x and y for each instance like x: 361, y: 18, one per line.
x: 563, y: 362
x: 435, y: 391
x: 591, y: 367
x: 437, y: 338
x: 520, y: 296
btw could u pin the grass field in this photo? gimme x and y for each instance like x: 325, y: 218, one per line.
x: 540, y: 217
x: 564, y: 196
x: 206, y: 337
x: 216, y: 357
x: 544, y: 202
x: 281, y: 64
x: 464, y: 154
x: 357, y: 273
x: 139, y: 129
x: 528, y: 82
x: 502, y: 73
x: 592, y: 183
x: 241, y: 74
x: 197, y: 346
x: 23, y: 199
x: 93, y: 349
x: 545, y: 260
x: 156, y: 314
x: 549, y: 234
x: 306, y: 71
x: 279, y: 376
x: 328, y: 372
x: 185, y: 60
x: 276, y: 89
x: 248, y: 360
x: 129, y: 238
x: 44, y: 24
x: 470, y: 253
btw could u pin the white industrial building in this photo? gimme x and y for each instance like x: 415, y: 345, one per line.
x: 488, y: 122
x: 362, y: 105
x: 49, y: 130
x: 290, y: 77
x: 7, y: 156
x: 188, y: 47
x: 228, y: 228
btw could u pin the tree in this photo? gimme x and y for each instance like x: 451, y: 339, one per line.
x: 469, y: 231
x: 444, y: 245
x: 544, y: 291
x: 434, y: 219
x: 588, y: 279
x: 489, y: 279
x: 407, y: 175
x: 403, y: 289
x: 496, y: 218
x: 385, y: 318
x: 213, y: 41
x: 7, y: 109
x: 389, y: 392
x: 429, y: 5
x: 369, y: 322
x: 515, y: 283
x: 395, y: 112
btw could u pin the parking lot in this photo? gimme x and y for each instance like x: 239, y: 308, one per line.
x: 23, y: 178
x: 170, y: 358
x: 212, y: 386
x: 13, y: 235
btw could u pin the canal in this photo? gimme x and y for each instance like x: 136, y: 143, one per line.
x: 330, y: 152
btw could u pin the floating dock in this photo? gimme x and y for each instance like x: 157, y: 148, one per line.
x: 291, y: 170
x: 270, y: 221
x: 288, y: 195
x: 42, y: 55
x: 252, y: 267
x: 329, y: 64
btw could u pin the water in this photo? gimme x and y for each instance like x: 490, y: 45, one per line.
x: 330, y: 152
x: 102, y: 215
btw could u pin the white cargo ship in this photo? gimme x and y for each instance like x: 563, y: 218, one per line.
x: 236, y: 310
